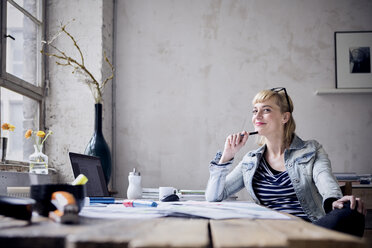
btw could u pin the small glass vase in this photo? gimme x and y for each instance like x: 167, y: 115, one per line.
x: 3, y: 149
x: 38, y: 161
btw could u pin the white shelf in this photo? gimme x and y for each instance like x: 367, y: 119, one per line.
x: 343, y: 91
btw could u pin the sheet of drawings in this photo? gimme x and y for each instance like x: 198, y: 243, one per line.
x: 199, y: 209
x: 224, y: 210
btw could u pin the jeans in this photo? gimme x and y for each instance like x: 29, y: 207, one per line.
x: 344, y: 220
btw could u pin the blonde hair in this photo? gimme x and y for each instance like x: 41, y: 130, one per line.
x: 281, y: 101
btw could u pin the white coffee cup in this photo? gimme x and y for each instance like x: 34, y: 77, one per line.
x: 165, y: 191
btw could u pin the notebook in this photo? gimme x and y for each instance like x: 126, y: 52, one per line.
x: 91, y: 167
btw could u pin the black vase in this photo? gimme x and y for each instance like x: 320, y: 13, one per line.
x: 97, y: 145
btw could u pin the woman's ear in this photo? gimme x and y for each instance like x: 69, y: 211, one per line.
x: 286, y: 117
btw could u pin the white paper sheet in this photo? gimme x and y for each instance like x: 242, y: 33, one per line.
x: 209, y: 210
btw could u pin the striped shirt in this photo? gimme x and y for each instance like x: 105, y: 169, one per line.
x: 274, y: 189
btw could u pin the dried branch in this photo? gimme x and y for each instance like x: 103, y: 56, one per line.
x: 75, y: 43
x: 65, y: 60
x: 112, y: 71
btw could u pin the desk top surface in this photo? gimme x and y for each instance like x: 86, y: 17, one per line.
x: 170, y: 232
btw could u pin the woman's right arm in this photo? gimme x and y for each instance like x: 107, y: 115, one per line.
x: 221, y: 184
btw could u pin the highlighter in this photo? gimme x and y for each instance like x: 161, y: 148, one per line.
x: 80, y: 180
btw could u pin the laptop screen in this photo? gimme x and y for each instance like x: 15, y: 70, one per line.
x: 91, y: 167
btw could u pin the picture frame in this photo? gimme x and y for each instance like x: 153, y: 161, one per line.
x: 353, y: 51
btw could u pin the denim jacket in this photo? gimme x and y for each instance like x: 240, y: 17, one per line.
x: 308, y: 167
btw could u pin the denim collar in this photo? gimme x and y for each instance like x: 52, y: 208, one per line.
x: 259, y: 151
x: 297, y: 143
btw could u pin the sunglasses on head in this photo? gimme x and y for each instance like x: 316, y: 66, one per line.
x: 278, y: 89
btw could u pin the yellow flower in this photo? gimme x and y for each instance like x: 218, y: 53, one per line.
x: 7, y: 126
x: 41, y: 134
x: 11, y: 127
x: 28, y: 133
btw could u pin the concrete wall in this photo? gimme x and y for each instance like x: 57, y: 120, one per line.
x: 187, y: 71
x: 69, y: 103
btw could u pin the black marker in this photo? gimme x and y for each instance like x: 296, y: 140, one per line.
x: 250, y: 133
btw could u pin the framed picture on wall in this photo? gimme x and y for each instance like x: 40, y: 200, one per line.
x: 353, y: 59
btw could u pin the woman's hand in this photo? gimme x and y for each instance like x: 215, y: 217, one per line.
x: 353, y: 200
x: 233, y: 144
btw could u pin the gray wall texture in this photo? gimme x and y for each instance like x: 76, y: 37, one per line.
x: 188, y: 70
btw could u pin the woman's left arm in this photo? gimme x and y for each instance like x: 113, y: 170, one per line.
x: 323, y: 177
x: 328, y: 186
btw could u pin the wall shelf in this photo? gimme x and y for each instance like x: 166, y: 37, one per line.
x: 342, y: 91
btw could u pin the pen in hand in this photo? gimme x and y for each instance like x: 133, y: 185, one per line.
x: 250, y: 133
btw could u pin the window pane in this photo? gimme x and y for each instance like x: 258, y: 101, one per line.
x: 32, y: 7
x: 23, y: 113
x: 22, y: 55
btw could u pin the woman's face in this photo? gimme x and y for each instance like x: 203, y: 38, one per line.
x: 267, y: 118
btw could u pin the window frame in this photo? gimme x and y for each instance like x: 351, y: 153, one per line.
x: 13, y: 82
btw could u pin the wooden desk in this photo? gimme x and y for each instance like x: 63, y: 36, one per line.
x: 171, y: 232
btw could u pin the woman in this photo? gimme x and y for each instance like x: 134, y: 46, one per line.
x: 285, y: 173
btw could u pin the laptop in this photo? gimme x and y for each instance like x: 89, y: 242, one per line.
x: 91, y: 167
